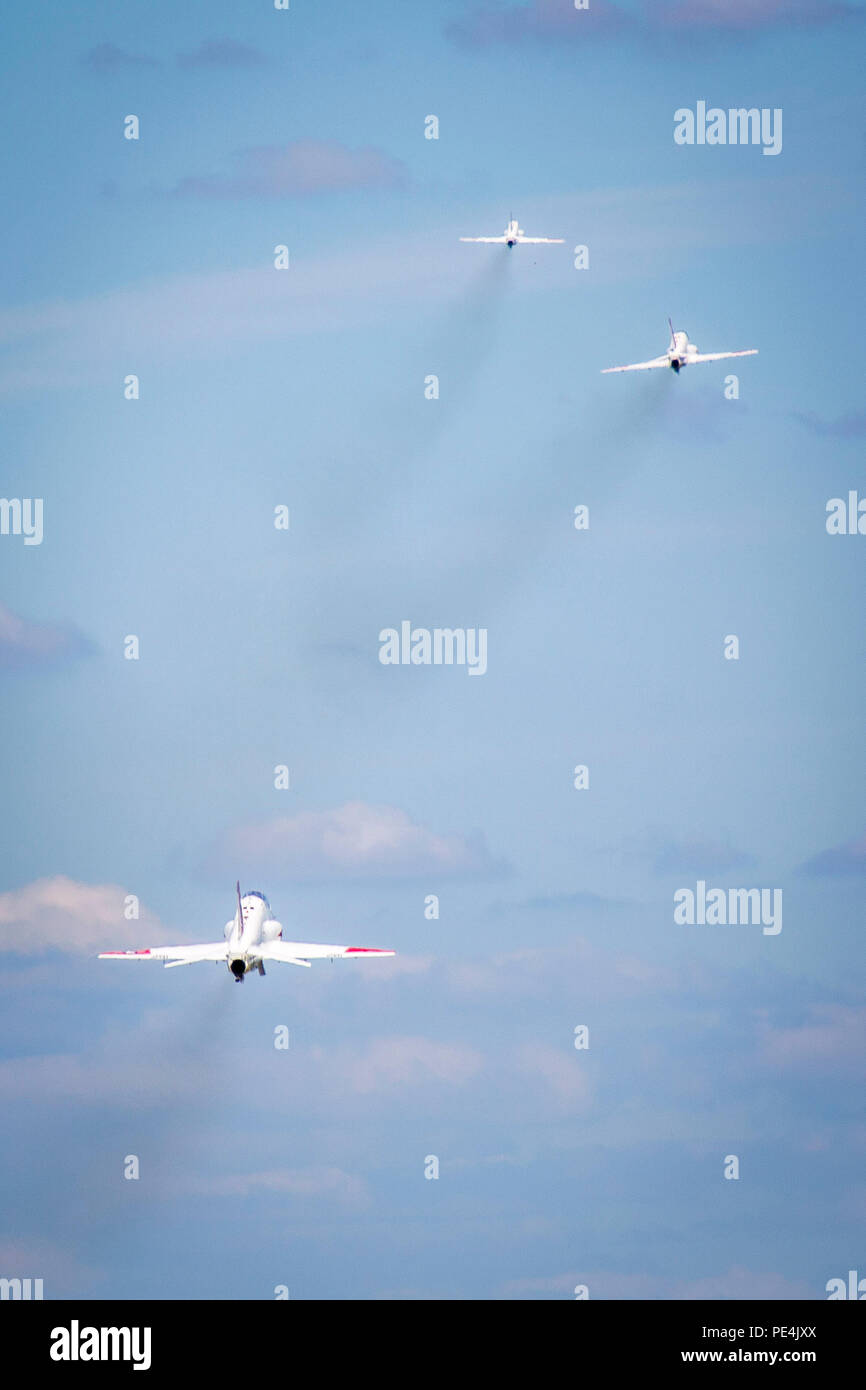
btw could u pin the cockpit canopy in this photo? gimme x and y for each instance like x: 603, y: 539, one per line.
x: 254, y: 893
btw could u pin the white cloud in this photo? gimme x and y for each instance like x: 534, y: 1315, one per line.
x: 26, y: 645
x: 833, y: 1038
x: 534, y: 970
x: 34, y: 1258
x: 392, y: 1062
x: 559, y: 1069
x: 60, y: 914
x: 301, y: 167
x: 351, y: 841
x: 849, y: 859
x: 129, y: 1068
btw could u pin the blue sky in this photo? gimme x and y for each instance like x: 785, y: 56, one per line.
x: 259, y: 647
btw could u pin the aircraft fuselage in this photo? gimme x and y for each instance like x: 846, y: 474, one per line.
x: 679, y: 349
x: 252, y: 925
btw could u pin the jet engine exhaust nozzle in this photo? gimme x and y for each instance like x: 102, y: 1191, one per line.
x: 238, y: 969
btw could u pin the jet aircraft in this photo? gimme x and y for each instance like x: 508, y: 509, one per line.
x: 252, y: 937
x: 514, y: 236
x: 681, y: 353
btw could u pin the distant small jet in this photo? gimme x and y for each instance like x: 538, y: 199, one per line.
x: 252, y: 937
x: 513, y: 236
x: 680, y: 353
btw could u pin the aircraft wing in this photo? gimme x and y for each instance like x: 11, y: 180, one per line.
x: 173, y: 955
x: 498, y: 240
x: 302, y: 952
x: 538, y: 240
x: 641, y: 366
x: 717, y: 356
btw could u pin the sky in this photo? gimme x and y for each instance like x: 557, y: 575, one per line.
x: 432, y: 1130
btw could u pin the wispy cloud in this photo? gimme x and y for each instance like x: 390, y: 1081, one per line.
x: 833, y: 1038
x: 67, y: 343
x: 94, y: 1079
x: 61, y: 914
x: 126, y: 1068
x: 222, y: 53
x: 690, y: 854
x: 541, y: 971
x: 355, y: 840
x: 299, y: 169
x: 580, y: 901
x: 541, y: 19
x: 31, y: 646
x: 559, y: 20
x: 398, y: 1062
x: 744, y: 16
x: 106, y: 58
x: 848, y: 859
x: 559, y: 1070
x: 696, y: 856
x: 851, y: 426
x: 36, y: 1258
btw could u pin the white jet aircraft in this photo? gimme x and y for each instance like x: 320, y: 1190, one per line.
x: 513, y: 236
x: 252, y: 937
x: 680, y: 353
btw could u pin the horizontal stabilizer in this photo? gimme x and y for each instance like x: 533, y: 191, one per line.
x: 302, y: 952
x: 174, y: 955
x: 718, y: 356
x: 640, y: 366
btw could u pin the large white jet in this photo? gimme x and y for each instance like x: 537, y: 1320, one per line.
x: 252, y: 937
x: 680, y: 353
x: 513, y: 236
